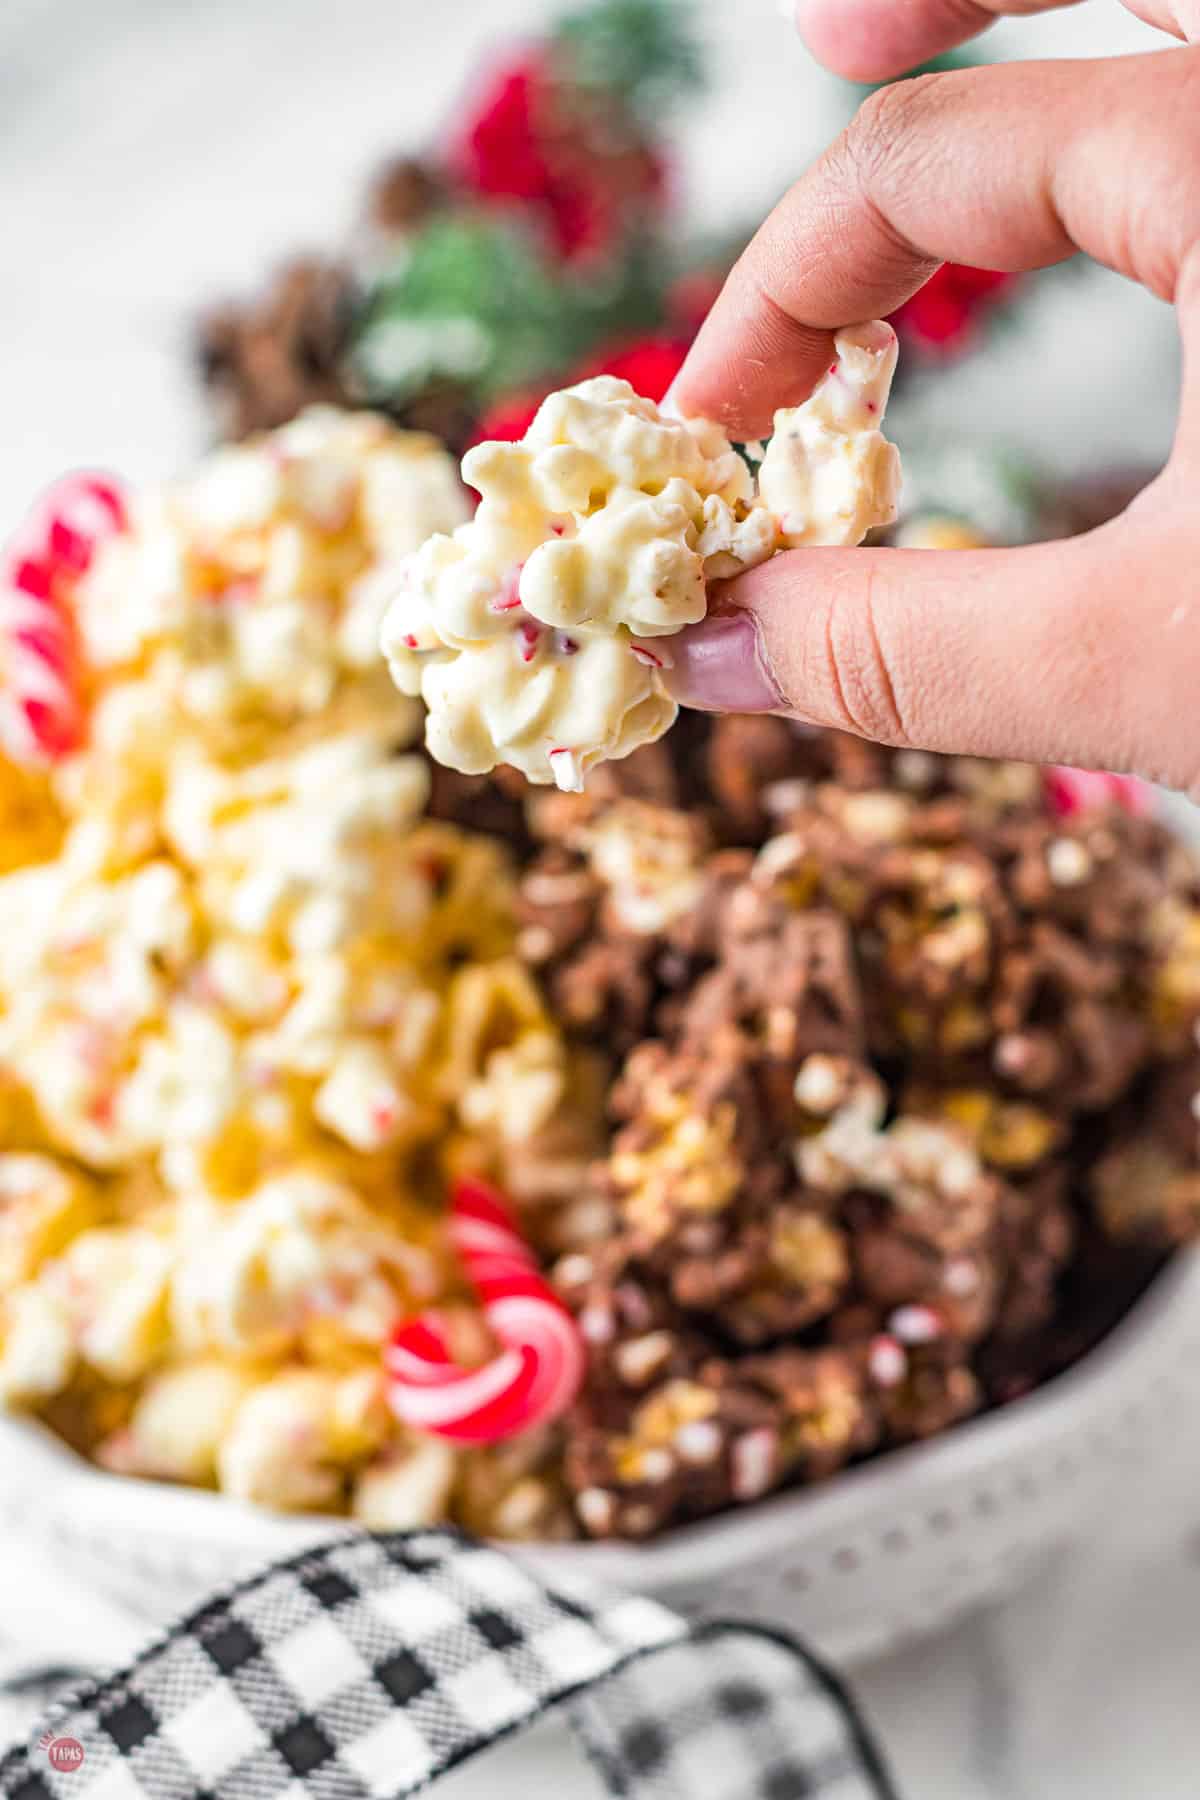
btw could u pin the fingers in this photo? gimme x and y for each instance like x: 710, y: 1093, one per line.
x: 873, y: 40
x: 1011, y: 167
x: 1187, y: 306
x: 1180, y: 17
x: 1082, y: 652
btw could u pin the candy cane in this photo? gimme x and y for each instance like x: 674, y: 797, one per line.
x: 532, y: 1379
x: 41, y: 709
x: 1074, y: 791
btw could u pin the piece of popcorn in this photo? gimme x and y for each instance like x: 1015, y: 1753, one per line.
x: 408, y: 480
x: 178, y: 1423
x: 519, y: 1090
x: 185, y: 1084
x: 535, y: 633
x: 909, y: 1160
x: 114, y: 1285
x: 510, y: 1490
x: 251, y: 1279
x: 650, y: 860
x: 43, y: 1205
x: 829, y: 474
x: 407, y: 1486
x: 37, y: 1346
x: 245, y: 978
x: 685, y: 1161
x: 293, y: 1440
x: 503, y: 1065
x: 553, y: 713
x: 361, y: 1101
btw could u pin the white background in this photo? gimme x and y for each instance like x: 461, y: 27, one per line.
x: 154, y: 152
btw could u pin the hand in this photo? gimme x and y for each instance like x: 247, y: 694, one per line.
x: 874, y: 40
x: 1086, y: 651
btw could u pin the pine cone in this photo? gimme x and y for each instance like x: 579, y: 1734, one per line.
x: 266, y: 360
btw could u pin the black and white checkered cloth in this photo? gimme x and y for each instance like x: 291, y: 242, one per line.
x: 364, y: 1670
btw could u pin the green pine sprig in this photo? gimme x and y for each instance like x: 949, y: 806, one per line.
x: 477, y: 301
x: 645, y: 53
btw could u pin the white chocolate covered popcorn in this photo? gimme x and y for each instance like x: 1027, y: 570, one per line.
x: 291, y: 1441
x: 829, y: 474
x: 43, y: 1205
x: 251, y: 1280
x: 538, y: 633
x: 254, y: 583
x: 37, y: 1348
x: 533, y: 632
x: 251, y: 997
x: 179, y: 1422
x: 407, y: 1485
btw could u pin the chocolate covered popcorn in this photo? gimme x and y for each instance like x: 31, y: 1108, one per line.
x: 538, y: 633
x: 865, y: 1157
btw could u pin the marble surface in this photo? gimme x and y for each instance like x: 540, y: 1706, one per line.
x: 154, y: 151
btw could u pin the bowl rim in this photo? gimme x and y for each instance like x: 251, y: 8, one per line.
x: 713, y: 1546
x: 981, y: 1442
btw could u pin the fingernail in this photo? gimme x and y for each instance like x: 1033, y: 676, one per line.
x: 719, y: 665
x: 1187, y: 13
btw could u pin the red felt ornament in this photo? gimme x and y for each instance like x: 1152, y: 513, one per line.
x: 532, y: 138
x: 648, y: 364
x: 944, y: 315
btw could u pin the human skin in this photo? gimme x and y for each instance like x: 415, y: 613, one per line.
x: 1085, y: 651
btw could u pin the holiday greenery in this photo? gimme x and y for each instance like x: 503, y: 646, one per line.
x: 642, y: 53
x: 534, y: 246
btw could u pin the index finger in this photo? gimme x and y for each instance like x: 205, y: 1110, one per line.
x: 874, y: 40
x: 1011, y: 167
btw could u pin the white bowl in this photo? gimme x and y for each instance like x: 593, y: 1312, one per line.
x: 869, y: 1560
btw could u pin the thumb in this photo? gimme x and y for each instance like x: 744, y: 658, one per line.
x: 1049, y: 653
x: 1187, y: 309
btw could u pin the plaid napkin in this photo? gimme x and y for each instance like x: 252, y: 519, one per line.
x: 364, y: 1670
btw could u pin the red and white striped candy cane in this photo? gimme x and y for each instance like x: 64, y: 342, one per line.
x: 532, y: 1379
x: 1071, y: 792
x: 41, y: 707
